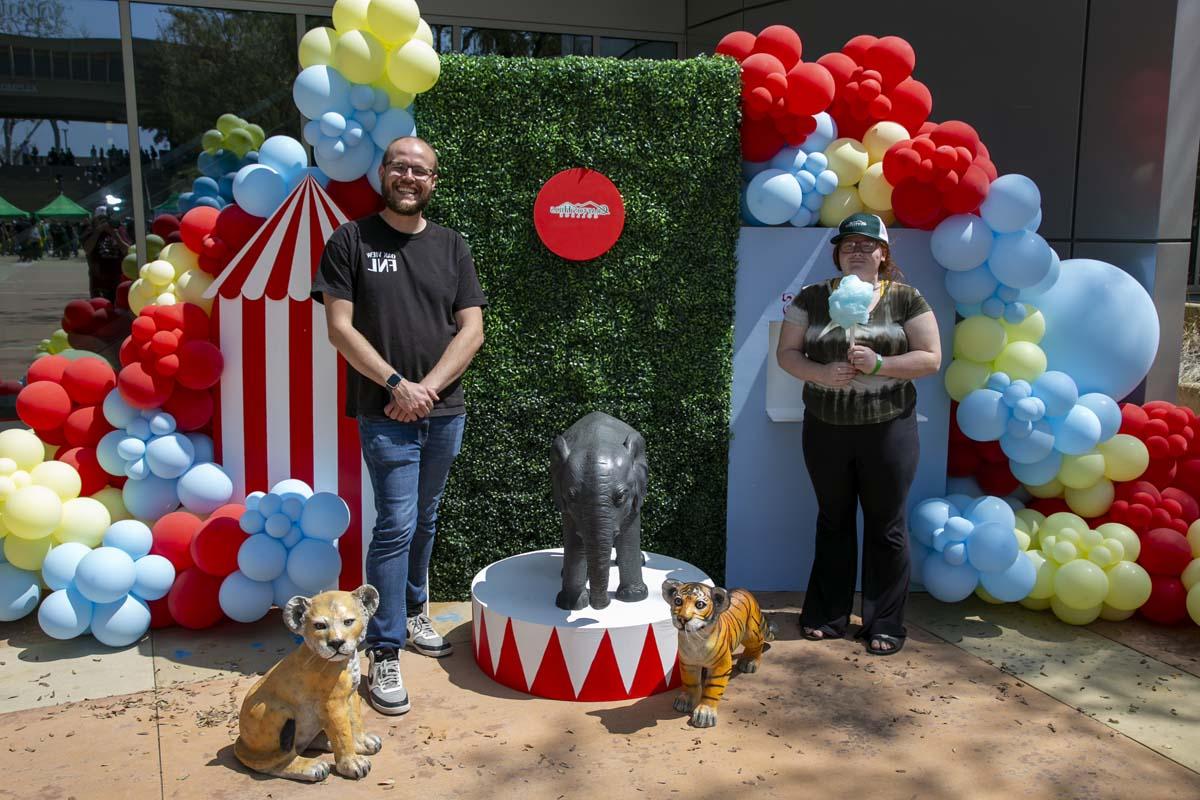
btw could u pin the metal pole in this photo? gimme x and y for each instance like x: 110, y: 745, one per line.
x: 137, y: 189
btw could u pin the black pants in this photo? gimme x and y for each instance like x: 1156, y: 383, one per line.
x: 873, y: 465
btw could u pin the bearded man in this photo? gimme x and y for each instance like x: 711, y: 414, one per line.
x: 405, y: 308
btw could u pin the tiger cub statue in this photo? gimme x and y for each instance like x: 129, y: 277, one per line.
x: 310, y: 700
x: 712, y: 623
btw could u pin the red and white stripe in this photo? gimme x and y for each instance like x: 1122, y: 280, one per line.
x: 281, y: 395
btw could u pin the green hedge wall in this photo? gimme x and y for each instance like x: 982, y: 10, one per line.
x: 643, y: 333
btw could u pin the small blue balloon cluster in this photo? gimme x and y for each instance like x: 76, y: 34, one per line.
x: 792, y: 186
x: 106, y: 590
x: 214, y: 187
x: 166, y: 467
x: 960, y: 544
x: 996, y: 260
x: 260, y: 188
x: 290, y: 550
x: 1037, y: 424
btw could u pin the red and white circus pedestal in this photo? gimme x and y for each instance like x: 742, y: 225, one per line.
x: 525, y: 642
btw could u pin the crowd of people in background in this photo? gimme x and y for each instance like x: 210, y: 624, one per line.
x: 63, y: 239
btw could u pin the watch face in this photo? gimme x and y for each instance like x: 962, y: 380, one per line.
x: 393, y: 381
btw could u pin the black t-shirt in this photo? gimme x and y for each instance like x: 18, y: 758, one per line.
x: 405, y: 289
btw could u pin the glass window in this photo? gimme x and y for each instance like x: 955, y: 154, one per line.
x: 99, y: 69
x: 637, y: 48
x: 62, y: 145
x: 499, y: 42
x: 443, y: 35
x: 5, y: 61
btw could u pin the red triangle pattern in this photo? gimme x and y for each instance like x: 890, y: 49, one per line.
x: 649, y: 678
x: 603, y: 680
x: 552, y: 679
x: 509, y: 671
x: 483, y: 653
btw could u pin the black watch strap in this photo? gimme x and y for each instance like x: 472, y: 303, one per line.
x: 394, y: 380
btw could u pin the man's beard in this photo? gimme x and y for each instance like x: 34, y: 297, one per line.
x: 414, y: 207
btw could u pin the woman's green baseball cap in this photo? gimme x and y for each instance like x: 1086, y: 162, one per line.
x: 867, y: 225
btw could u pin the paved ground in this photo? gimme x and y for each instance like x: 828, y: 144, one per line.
x: 983, y: 702
x: 32, y: 297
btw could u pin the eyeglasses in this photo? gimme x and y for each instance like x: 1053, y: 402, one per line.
x: 418, y: 172
x: 868, y: 246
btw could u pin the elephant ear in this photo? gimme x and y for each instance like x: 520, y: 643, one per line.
x: 639, y: 472
x: 559, y: 454
x: 720, y: 599
x: 670, y: 588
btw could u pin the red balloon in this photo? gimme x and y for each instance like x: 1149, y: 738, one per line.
x: 194, y: 599
x: 1165, y: 552
x: 1168, y: 601
x: 173, y: 237
x: 916, y: 204
x: 86, y: 426
x: 191, y: 409
x: 47, y: 368
x: 167, y: 366
x: 173, y: 535
x: 857, y: 47
x: 969, y: 193
x: 43, y: 405
x: 215, y: 548
x: 760, y: 140
x: 356, y: 199
x: 892, y: 57
x: 911, y: 103
x: 142, y: 329
x: 89, y: 380
x: 165, y: 318
x: 196, y: 224
x: 810, y: 89
x: 164, y: 225
x: 900, y: 162
x: 1189, y: 509
x: 52, y: 436
x: 142, y: 389
x: 164, y: 342
x: 235, y: 226
x: 997, y: 479
x: 736, y: 45
x: 91, y: 475
x: 200, y: 365
x: 1051, y: 505
x: 78, y: 316
x: 195, y: 321
x: 840, y: 66
x: 758, y: 66
x: 123, y: 295
x: 160, y: 614
x: 782, y: 42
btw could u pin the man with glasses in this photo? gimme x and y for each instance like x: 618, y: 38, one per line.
x: 405, y: 309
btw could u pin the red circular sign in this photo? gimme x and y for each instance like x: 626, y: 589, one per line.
x: 579, y: 214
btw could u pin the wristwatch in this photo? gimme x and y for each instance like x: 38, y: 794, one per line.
x: 394, y: 380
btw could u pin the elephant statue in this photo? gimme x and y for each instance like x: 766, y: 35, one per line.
x: 598, y: 469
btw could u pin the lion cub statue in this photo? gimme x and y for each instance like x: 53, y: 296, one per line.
x: 310, y: 698
x: 712, y: 623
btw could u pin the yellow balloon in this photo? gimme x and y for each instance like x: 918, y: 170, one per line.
x: 1089, y: 538
x: 1128, y: 586
x: 424, y: 33
x: 141, y: 294
x: 1125, y: 535
x: 396, y: 98
x: 1023, y: 538
x: 874, y: 189
x: 414, y: 67
x: 1191, y: 574
x: 1125, y: 457
x: 1193, y: 604
x: 32, y: 512
x: 1063, y: 552
x: 986, y: 596
x: 1046, y: 490
x: 1023, y: 361
x: 1036, y: 604
x: 1111, y: 614
x: 180, y: 257
x: 1045, y: 569
x: 1102, y: 557
x: 1032, y: 519
x: 27, y: 554
x: 359, y: 56
x: 51, y: 451
x: 1116, y: 548
x: 1030, y: 329
x: 880, y: 137
x: 1081, y: 584
x: 394, y: 21
x: 227, y: 122
x: 7, y: 465
x: 239, y: 142
x: 256, y: 134
x: 886, y: 215
x: 848, y: 159
x: 58, y: 477
x: 1093, y: 501
x: 7, y: 487
x: 84, y: 520
x: 1072, y: 615
x: 964, y: 376
x: 23, y: 447
x: 1080, y: 472
x: 349, y: 15
x: 21, y: 479
x: 168, y: 297
x: 316, y: 48
x: 114, y: 502
x: 979, y: 338
x: 841, y: 203
x: 158, y: 272
x: 192, y: 285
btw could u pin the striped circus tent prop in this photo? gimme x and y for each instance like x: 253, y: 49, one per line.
x: 280, y: 399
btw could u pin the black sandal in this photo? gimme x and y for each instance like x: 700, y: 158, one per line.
x: 897, y: 643
x: 826, y: 632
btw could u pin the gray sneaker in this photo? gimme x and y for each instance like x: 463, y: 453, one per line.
x: 425, y: 640
x: 385, y: 687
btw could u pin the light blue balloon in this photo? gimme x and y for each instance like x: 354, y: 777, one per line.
x: 58, y: 569
x: 130, y: 535
x: 983, y: 416
x: 1007, y: 293
x: 65, y: 614
x: 813, y: 202
x: 161, y: 423
x: 747, y: 218
x: 325, y: 516
x: 993, y: 307
x: 262, y: 558
x: 139, y: 428
x: 314, y: 565
x: 822, y: 136
x: 1015, y: 313
x: 105, y: 575
x: 283, y: 154
x: 383, y: 102
x: 207, y: 164
x: 1030, y: 449
x: 1018, y: 429
x: 961, y: 243
x: 202, y: 447
x: 1076, y: 433
x: 107, y: 454
x: 789, y: 159
x: 827, y: 181
x: 1014, y: 583
x: 290, y: 486
x: 277, y: 525
x: 353, y: 134
x: 377, y: 162
x: 999, y: 382
x: 367, y: 119
x: 205, y: 187
x: 1106, y: 410
x: 1057, y: 390
x: 151, y: 497
x: 752, y: 168
x: 959, y: 500
x: 259, y: 190
x: 774, y: 196
x: 293, y: 537
x: 958, y: 528
x: 19, y: 592
x: 269, y: 504
x: 284, y: 590
x: 1031, y: 409
x: 253, y: 499
x: 137, y: 470
x: 955, y: 553
x: 992, y: 546
x: 121, y: 623
x: 314, y: 172
x: 816, y: 163
x: 351, y: 165
x: 312, y: 132
x: 362, y: 97
x: 1036, y: 222
x: 332, y: 124
x: 210, y: 202
x: 118, y: 412
x: 807, y: 181
x: 1020, y: 259
x: 1017, y: 391
x: 963, y: 484
x: 155, y: 575
x: 226, y: 183
x: 927, y: 517
x: 243, y: 599
x: 1101, y: 327
x: 204, y: 488
x: 252, y: 522
x: 1031, y: 294
x: 990, y: 509
x: 1013, y: 202
x: 966, y: 310
x: 330, y: 149
x: 291, y: 507
x: 131, y: 448
x: 392, y: 124
x: 947, y: 582
x: 971, y: 286
x: 1038, y: 473
x: 318, y: 89
x: 169, y: 456
x: 803, y: 218
x: 184, y: 202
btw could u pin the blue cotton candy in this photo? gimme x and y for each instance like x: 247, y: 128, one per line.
x: 849, y: 302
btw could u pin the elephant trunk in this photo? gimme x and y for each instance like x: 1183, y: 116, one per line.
x: 600, y: 561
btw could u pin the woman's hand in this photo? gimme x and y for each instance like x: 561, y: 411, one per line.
x: 836, y: 375
x: 863, y: 358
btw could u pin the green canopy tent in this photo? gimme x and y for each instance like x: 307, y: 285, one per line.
x: 168, y: 206
x: 63, y: 207
x: 9, y: 211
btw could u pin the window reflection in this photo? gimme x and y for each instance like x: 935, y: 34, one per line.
x: 637, y: 48
x: 500, y: 42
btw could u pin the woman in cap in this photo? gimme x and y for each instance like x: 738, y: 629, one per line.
x: 860, y: 434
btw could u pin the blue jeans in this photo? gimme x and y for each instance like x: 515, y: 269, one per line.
x: 408, y: 463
